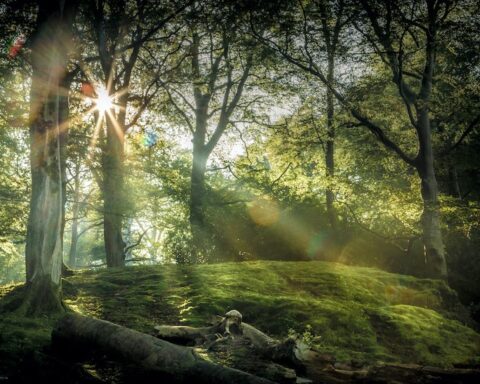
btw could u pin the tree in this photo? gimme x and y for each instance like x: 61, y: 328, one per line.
x: 417, y: 103
x: 333, y: 19
x: 48, y: 124
x: 120, y: 30
x: 385, y: 26
x: 217, y: 69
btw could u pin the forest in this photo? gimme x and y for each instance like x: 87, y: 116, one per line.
x: 240, y: 191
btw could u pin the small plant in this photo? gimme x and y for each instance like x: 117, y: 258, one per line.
x: 307, y: 336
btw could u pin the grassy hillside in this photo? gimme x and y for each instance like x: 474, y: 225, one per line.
x: 351, y: 312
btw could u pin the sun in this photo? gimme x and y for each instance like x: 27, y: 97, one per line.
x: 104, y: 101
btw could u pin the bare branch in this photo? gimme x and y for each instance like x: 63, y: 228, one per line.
x: 227, y: 110
x: 281, y: 175
x: 137, y: 243
x: 374, y: 128
x: 473, y: 124
x: 179, y: 110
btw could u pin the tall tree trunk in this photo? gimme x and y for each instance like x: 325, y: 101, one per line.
x: 330, y: 147
x: 197, y: 192
x: 44, y: 243
x: 432, y: 235
x: 113, y: 150
x: 113, y: 194
x: 64, y: 108
x: 72, y: 255
x: 454, y: 185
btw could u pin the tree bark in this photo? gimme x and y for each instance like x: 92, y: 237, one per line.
x: 64, y: 109
x: 432, y: 235
x: 113, y: 195
x: 72, y: 255
x: 113, y: 154
x: 453, y: 182
x: 179, y: 364
x: 203, y: 92
x: 330, y: 147
x: 48, y: 120
x: 199, y: 167
x: 197, y: 192
x: 421, y: 100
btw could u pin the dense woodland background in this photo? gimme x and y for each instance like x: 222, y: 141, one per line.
x: 240, y: 130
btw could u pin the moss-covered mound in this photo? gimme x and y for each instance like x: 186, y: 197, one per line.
x: 350, y: 312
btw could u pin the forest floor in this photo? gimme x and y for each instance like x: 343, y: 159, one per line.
x: 352, y: 313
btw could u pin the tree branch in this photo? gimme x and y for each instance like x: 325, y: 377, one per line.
x: 473, y: 124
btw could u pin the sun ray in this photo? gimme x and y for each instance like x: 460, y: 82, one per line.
x: 118, y: 129
x: 95, y: 135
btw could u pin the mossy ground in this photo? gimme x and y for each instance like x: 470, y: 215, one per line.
x: 356, y: 313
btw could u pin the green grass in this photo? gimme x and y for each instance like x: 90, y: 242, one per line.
x: 355, y: 313
x: 19, y: 335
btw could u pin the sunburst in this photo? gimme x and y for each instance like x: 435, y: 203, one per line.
x: 103, y: 101
x: 102, y: 104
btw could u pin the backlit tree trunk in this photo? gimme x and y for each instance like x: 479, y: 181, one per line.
x: 432, y: 235
x: 332, y: 21
x: 72, y: 255
x: 330, y: 147
x: 113, y: 196
x: 203, y: 146
x: 199, y: 167
x: 44, y: 244
x: 111, y: 31
x: 197, y: 192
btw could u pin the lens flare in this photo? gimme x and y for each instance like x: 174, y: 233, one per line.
x: 264, y: 212
x: 103, y: 101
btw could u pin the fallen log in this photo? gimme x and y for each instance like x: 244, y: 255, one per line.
x: 292, y: 352
x: 251, y: 350
x: 179, y: 363
x: 185, y: 335
x: 247, y: 348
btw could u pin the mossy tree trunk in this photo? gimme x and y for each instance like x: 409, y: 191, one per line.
x: 48, y: 124
x: 113, y: 196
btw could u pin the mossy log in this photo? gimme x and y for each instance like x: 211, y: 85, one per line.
x: 253, y: 351
x: 186, y: 335
x: 178, y: 363
x: 249, y: 348
x: 287, y: 351
x: 239, y: 344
